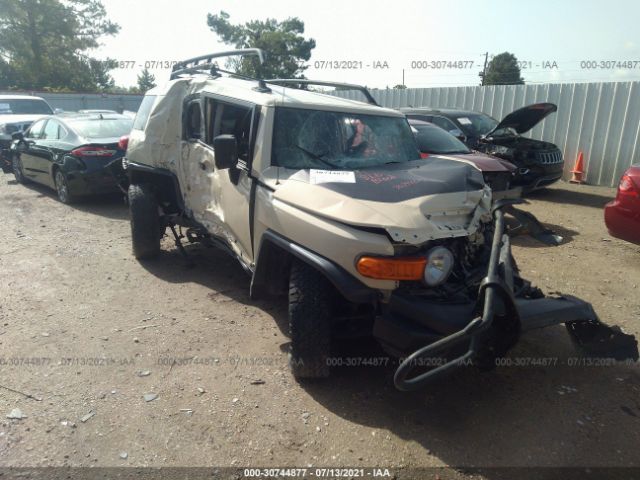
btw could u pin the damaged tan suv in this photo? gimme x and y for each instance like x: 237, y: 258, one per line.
x: 327, y: 200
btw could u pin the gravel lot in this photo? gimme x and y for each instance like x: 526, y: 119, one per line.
x: 97, y: 330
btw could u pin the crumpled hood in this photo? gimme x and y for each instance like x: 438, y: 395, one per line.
x: 415, y: 201
x: 525, y: 118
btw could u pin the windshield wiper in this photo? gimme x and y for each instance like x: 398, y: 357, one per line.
x: 317, y: 157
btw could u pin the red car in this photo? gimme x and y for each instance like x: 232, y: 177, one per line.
x: 622, y: 215
x: 433, y: 140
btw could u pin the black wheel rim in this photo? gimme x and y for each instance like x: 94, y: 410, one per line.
x: 61, y: 187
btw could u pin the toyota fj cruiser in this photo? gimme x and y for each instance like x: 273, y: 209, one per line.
x: 327, y: 200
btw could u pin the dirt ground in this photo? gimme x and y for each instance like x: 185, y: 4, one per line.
x: 86, y: 329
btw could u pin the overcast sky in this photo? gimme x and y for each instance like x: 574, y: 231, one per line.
x: 552, y: 36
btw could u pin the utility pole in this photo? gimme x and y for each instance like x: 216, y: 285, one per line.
x: 484, y: 70
x: 403, y: 77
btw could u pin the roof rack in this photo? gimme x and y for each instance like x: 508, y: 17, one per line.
x: 205, y: 63
x: 304, y: 82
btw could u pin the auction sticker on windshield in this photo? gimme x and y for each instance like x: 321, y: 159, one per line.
x: 331, y: 176
x: 464, y: 120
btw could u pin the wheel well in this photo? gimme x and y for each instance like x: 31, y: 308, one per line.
x: 274, y: 261
x: 271, y: 276
x: 165, y: 187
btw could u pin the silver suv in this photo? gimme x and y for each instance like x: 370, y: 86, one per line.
x: 327, y: 201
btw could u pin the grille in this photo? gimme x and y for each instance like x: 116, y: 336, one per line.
x: 549, y: 158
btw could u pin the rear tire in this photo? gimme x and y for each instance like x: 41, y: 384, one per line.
x: 62, y: 188
x: 310, y: 301
x: 145, y: 222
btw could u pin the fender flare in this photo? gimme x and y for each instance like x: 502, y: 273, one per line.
x: 165, y: 182
x: 272, y: 244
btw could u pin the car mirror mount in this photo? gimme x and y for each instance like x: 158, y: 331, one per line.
x: 225, y: 148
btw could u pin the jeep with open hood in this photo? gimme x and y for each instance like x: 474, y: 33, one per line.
x: 327, y: 201
x: 539, y: 163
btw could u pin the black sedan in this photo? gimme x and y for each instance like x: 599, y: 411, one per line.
x: 76, y: 154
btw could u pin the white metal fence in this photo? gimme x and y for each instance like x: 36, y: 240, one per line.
x: 600, y: 119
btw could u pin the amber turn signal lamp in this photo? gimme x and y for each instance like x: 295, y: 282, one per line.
x: 407, y: 268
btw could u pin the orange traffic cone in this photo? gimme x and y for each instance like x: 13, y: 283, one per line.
x: 578, y: 170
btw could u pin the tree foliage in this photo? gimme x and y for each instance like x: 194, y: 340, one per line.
x: 146, y: 80
x: 44, y: 44
x: 284, y: 43
x: 503, y: 69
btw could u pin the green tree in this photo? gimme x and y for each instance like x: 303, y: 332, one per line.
x: 284, y: 43
x: 146, y: 81
x: 399, y: 87
x: 45, y: 44
x: 503, y: 69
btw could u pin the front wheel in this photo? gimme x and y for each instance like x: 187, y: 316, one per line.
x: 62, y: 188
x: 145, y: 222
x: 310, y: 296
x: 18, y: 169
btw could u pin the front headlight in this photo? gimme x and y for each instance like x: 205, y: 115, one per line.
x: 439, y: 266
x: 501, y: 150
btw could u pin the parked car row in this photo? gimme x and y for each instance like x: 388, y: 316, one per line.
x: 538, y: 164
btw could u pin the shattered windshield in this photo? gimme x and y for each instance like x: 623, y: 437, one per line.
x: 342, y: 141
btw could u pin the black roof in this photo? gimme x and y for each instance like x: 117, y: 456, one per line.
x: 444, y: 111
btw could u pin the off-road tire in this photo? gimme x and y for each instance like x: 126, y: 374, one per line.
x: 18, y: 170
x: 310, y: 301
x: 145, y: 221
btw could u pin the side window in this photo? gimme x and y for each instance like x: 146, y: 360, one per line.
x: 51, y: 131
x: 444, y: 123
x: 193, y: 121
x: 144, y: 112
x: 35, y: 131
x: 225, y: 118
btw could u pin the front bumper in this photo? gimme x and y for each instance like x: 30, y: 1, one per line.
x: 450, y: 336
x: 623, y: 222
x: 538, y: 175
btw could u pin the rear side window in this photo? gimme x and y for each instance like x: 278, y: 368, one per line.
x: 144, y: 112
